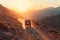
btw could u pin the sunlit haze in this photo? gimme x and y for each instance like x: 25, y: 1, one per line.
x: 25, y: 5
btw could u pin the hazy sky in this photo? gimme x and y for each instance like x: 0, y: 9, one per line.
x: 24, y: 5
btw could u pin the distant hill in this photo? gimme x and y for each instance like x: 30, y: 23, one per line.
x: 50, y: 11
x: 49, y: 17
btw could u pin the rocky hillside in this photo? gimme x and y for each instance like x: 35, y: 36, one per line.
x: 10, y: 27
x: 52, y: 21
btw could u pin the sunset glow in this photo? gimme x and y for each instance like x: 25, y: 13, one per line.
x: 21, y: 5
x: 25, y: 5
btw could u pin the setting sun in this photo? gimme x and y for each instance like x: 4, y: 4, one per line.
x: 22, y: 8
